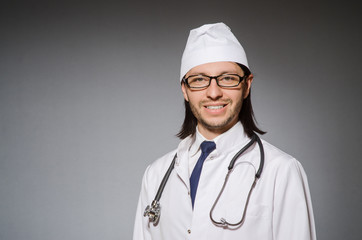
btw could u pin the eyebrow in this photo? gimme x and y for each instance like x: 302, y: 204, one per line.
x: 202, y: 73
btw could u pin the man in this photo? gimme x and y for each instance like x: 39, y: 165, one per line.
x: 259, y: 200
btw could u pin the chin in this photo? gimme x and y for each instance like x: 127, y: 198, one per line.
x: 218, y: 125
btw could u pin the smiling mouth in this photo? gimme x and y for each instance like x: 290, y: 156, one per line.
x: 215, y: 107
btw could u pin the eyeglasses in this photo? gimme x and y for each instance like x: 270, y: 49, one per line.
x: 223, y: 80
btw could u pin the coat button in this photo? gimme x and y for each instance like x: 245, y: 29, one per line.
x: 189, y: 231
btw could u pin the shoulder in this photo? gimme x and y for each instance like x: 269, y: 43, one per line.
x: 280, y: 162
x: 275, y: 155
x: 283, y: 171
x: 156, y: 170
x: 161, y: 163
x: 154, y: 173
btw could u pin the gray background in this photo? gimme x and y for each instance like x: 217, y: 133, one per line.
x: 89, y: 96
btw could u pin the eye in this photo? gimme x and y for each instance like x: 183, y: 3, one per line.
x: 228, y: 78
x: 197, y: 79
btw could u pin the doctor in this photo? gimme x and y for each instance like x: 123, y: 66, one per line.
x: 215, y: 82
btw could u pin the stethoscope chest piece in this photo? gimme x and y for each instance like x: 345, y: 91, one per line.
x: 153, y: 212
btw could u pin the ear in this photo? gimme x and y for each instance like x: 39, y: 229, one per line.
x: 247, y: 85
x: 183, y: 88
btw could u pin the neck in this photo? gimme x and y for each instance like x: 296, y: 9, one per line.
x: 211, y: 133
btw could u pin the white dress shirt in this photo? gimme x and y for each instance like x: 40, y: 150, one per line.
x: 280, y: 206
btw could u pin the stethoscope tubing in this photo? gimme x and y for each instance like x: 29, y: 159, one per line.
x: 165, y: 179
x: 153, y: 211
x: 223, y: 222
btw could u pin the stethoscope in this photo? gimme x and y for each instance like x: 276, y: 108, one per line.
x: 153, y: 211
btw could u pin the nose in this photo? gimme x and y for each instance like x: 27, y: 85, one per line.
x: 214, y: 91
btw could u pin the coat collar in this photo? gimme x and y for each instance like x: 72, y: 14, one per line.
x: 230, y: 140
x: 224, y: 142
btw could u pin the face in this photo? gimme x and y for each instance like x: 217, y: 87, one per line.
x: 216, y: 109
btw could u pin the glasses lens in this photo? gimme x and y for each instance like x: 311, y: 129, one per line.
x: 198, y: 81
x: 229, y: 80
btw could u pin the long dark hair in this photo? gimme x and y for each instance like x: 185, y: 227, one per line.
x: 246, y: 116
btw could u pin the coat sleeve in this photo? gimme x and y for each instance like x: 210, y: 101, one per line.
x: 141, y: 231
x: 292, y: 211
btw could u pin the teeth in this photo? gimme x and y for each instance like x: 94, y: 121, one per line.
x: 214, y: 107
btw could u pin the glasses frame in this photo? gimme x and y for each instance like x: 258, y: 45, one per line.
x: 241, y: 78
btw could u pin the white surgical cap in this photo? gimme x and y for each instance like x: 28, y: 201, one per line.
x: 211, y: 43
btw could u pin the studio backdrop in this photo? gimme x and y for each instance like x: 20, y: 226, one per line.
x: 90, y: 96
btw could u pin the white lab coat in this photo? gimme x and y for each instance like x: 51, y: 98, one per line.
x: 280, y: 206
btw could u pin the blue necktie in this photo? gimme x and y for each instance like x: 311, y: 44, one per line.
x: 206, y: 148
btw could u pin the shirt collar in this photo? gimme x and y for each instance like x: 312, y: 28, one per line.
x: 225, y: 142
x: 231, y: 140
x: 195, y: 146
